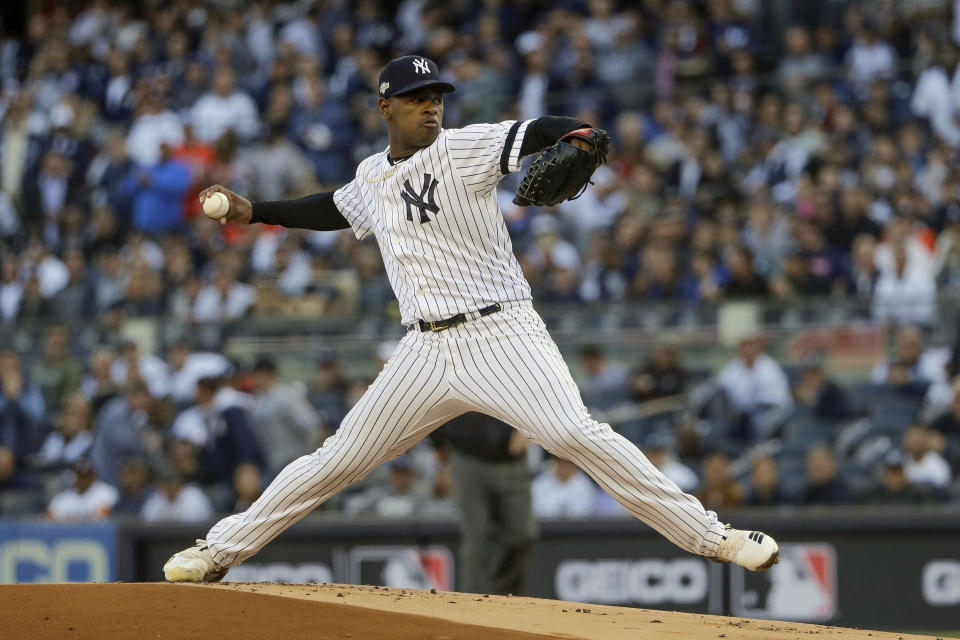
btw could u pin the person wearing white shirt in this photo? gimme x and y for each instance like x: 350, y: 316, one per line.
x: 155, y: 126
x: 562, y: 491
x: 147, y: 367
x: 922, y: 464
x: 756, y: 385
x: 187, y: 367
x: 225, y: 108
x: 933, y: 99
x: 88, y: 499
x: 11, y: 291
x: 660, y: 455
x: 174, y: 501
x: 919, y: 363
x: 225, y: 299
x: 870, y: 58
x: 52, y: 275
x: 906, y: 293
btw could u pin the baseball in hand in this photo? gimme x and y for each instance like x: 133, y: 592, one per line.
x: 216, y: 205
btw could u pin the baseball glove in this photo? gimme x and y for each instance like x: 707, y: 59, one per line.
x: 563, y: 171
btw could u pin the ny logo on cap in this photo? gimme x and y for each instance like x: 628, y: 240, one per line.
x: 420, y: 66
x: 384, y: 86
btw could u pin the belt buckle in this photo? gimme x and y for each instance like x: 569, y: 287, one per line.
x: 440, y: 325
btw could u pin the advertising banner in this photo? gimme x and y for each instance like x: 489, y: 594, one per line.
x: 894, y: 573
x: 32, y: 552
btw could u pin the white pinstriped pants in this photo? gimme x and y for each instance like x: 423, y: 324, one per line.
x: 505, y: 365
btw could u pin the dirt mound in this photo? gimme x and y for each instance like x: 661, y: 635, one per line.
x: 241, y: 611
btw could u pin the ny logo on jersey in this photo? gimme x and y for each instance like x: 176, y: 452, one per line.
x: 420, y: 66
x: 414, y: 199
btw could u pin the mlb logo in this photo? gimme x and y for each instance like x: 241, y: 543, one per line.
x: 802, y: 587
x: 403, y: 567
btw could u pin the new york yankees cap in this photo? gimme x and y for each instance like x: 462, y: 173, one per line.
x: 405, y: 74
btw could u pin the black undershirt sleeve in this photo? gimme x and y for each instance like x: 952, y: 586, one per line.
x: 544, y: 132
x: 317, y: 212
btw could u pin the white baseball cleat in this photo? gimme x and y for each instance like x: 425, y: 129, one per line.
x: 194, y: 564
x: 752, y: 550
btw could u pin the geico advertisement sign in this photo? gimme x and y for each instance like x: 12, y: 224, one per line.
x: 648, y: 581
x: 940, y: 583
x: 31, y: 560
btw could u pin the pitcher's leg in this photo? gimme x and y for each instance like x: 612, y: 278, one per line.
x: 404, y: 403
x: 522, y: 380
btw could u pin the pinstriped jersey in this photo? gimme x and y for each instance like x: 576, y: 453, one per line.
x: 435, y: 216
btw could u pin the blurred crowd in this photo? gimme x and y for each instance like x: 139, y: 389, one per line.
x: 819, y: 163
x: 757, y: 154
x: 195, y: 434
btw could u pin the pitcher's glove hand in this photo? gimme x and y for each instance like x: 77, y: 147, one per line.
x: 563, y: 171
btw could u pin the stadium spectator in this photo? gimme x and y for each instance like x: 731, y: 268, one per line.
x: 133, y: 484
x: 11, y: 291
x: 765, y: 489
x: 658, y: 451
x: 172, y: 500
x: 561, y: 490
x: 801, y: 65
x: 894, y: 487
x: 328, y: 390
x: 912, y: 363
x: 922, y: 464
x: 604, y: 383
x: 864, y: 273
x: 824, y: 486
x: 57, y: 374
x: 22, y: 415
x: 98, y: 386
x: 718, y: 490
x: 247, y: 487
x: 72, y: 438
x: 904, y: 293
x: 121, y: 429
x: 157, y: 193
x: 869, y: 58
x: 282, y: 167
x: 744, y: 281
x: 154, y: 128
x: 88, y: 499
x: 187, y: 366
x: 403, y: 495
x: 945, y: 430
x: 284, y: 422
x: 223, y: 299
x: 934, y: 100
x: 815, y: 392
x: 228, y: 436
x: 662, y: 376
x: 757, y: 387
x: 130, y: 366
x: 225, y: 108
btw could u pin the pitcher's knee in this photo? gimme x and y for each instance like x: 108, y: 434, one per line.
x: 341, y: 463
x: 578, y: 439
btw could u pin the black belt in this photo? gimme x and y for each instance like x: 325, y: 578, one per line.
x: 460, y: 318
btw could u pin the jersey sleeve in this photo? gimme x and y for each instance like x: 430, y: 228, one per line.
x: 351, y: 204
x: 484, y: 153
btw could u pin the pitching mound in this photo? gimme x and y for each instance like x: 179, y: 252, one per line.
x: 320, y: 612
